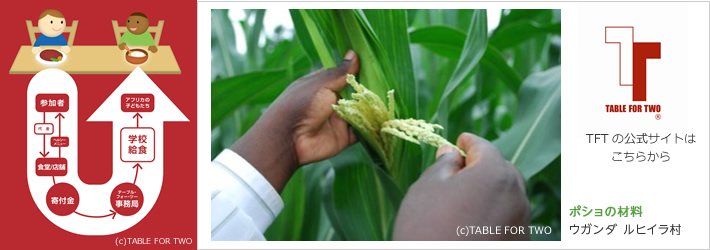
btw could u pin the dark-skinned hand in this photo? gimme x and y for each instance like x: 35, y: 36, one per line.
x: 481, y: 190
x: 300, y: 127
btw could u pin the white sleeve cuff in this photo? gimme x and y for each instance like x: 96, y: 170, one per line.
x: 242, y: 199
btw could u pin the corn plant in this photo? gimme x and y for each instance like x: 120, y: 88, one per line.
x: 429, y: 69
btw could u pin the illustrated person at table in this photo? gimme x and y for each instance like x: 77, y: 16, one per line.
x: 137, y: 35
x: 301, y: 127
x: 51, y: 24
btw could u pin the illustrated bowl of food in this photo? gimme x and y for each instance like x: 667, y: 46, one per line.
x: 136, y: 56
x: 51, y: 57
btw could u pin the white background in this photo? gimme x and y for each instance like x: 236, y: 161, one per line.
x: 675, y: 192
x: 670, y: 193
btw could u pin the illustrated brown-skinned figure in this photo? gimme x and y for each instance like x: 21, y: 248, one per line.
x: 137, y: 35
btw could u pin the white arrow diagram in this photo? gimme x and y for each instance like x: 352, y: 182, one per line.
x: 95, y: 199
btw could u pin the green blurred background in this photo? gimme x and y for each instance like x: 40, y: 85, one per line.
x: 495, y: 73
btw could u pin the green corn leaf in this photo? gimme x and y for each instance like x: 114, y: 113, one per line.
x: 290, y: 223
x: 493, y: 61
x: 390, y: 28
x: 253, y: 33
x: 282, y: 50
x: 449, y: 42
x: 386, y: 33
x: 318, y: 40
x: 251, y: 88
x: 225, y: 62
x: 302, y: 217
x: 232, y: 92
x: 303, y: 36
x: 534, y: 140
x: 515, y: 15
x: 355, y: 199
x: 324, y: 35
x: 443, y: 40
x: 521, y: 31
x: 473, y: 49
x: 372, y: 73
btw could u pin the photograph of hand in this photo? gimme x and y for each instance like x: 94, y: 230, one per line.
x: 287, y: 166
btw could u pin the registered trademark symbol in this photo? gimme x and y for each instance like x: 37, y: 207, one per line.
x: 658, y: 116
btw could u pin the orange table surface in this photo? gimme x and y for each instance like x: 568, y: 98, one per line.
x: 98, y: 60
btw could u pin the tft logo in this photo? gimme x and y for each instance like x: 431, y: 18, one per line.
x: 632, y: 58
x: 632, y: 66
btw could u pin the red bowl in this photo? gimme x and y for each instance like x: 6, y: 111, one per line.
x: 136, y: 60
